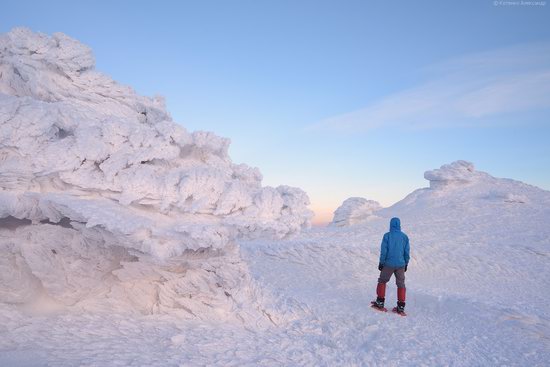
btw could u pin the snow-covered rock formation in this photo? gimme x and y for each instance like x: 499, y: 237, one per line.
x: 104, y: 199
x: 354, y: 210
x: 459, y: 185
x: 456, y: 173
x: 455, y: 187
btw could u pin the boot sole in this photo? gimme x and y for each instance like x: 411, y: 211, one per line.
x: 402, y: 313
x: 380, y: 309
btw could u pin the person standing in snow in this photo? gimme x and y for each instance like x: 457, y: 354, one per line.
x: 394, y: 259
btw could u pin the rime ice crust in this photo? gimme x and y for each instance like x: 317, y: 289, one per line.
x: 454, y: 186
x: 456, y: 173
x: 354, y: 210
x: 69, y: 129
x: 76, y: 146
x: 471, y: 193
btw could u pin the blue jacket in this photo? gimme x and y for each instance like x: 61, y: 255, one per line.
x: 394, y: 250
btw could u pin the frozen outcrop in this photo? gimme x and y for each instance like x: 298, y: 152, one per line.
x: 457, y: 188
x: 460, y: 188
x: 456, y: 173
x: 143, y: 200
x: 354, y: 210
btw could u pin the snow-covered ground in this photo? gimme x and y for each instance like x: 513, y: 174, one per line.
x: 127, y: 241
x: 477, y: 295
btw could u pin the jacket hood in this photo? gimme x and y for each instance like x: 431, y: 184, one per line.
x: 395, y: 224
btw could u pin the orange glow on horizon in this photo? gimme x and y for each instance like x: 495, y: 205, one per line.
x: 323, y: 215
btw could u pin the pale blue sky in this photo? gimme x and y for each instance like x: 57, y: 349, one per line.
x: 340, y: 98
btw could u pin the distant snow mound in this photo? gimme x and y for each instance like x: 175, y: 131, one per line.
x: 458, y: 188
x: 456, y: 173
x: 457, y: 192
x: 354, y: 210
x: 108, y: 189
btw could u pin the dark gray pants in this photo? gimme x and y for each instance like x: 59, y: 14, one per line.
x: 387, y: 272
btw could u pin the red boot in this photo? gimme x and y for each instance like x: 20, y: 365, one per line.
x: 381, y: 290
x: 400, y: 309
x: 401, y: 292
x: 380, y: 297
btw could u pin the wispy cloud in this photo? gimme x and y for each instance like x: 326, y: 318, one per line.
x: 468, y: 90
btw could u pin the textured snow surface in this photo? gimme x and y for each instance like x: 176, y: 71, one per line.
x: 127, y: 241
x: 477, y: 295
x: 106, y: 202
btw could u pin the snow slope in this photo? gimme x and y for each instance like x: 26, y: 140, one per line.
x: 125, y: 240
x: 475, y: 234
x: 477, y: 283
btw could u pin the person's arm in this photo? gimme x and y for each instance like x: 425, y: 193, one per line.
x: 407, y: 251
x: 383, y: 251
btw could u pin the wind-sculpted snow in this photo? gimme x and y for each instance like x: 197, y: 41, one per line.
x: 457, y: 186
x: 354, y: 210
x: 150, y: 210
x: 456, y: 173
x: 107, y: 206
x: 476, y: 284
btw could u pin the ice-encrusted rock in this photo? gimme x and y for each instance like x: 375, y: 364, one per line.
x: 456, y: 173
x: 458, y: 187
x: 138, y: 193
x: 454, y: 187
x: 354, y: 210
